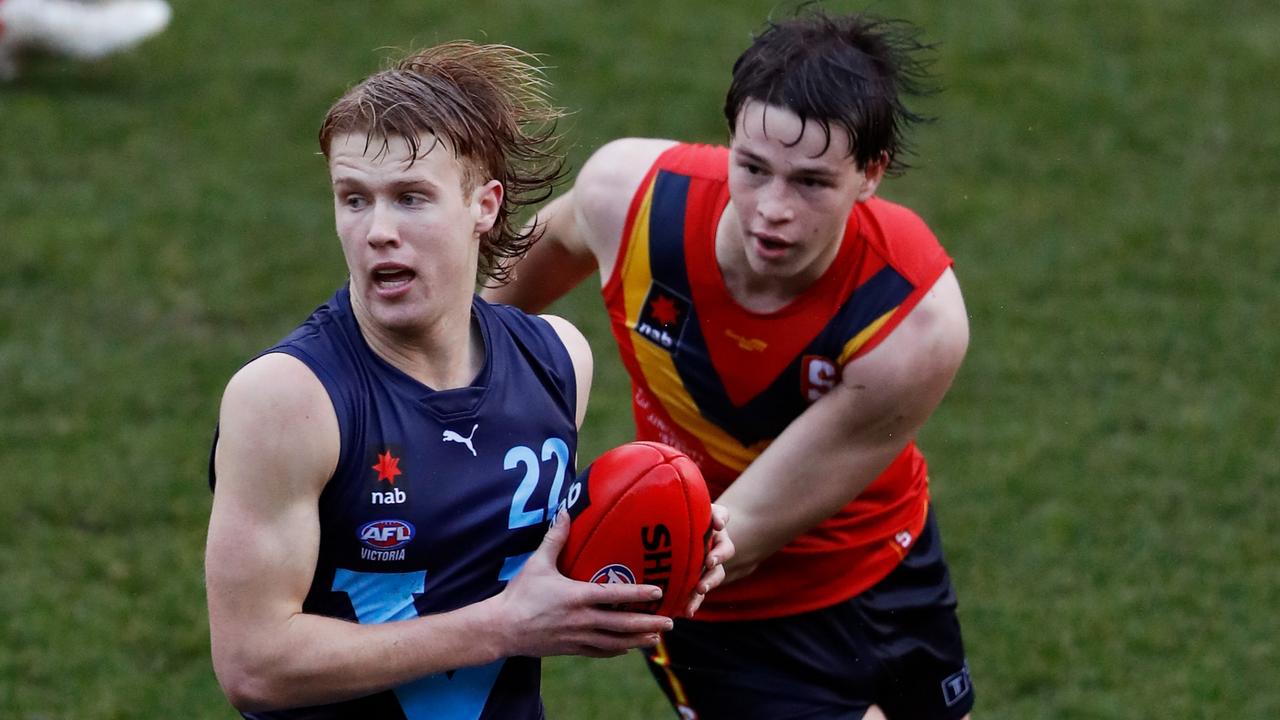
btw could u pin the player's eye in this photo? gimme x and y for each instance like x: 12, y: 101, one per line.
x: 354, y: 202
x: 412, y: 199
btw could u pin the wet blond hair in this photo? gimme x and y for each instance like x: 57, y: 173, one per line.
x: 489, y: 105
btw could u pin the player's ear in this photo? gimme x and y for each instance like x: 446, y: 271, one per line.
x: 873, y: 173
x: 485, y: 203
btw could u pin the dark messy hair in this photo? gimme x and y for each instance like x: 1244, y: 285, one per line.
x: 489, y: 106
x: 847, y: 70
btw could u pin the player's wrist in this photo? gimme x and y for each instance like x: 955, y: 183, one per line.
x: 744, y: 561
x: 492, y: 634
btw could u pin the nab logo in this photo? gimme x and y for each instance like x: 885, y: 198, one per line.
x: 386, y: 534
x: 818, y: 375
x: 956, y: 686
x: 394, y: 496
x: 662, y: 317
x: 614, y: 574
x: 388, y: 468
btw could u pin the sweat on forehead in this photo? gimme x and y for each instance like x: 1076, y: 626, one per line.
x: 761, y: 121
x: 411, y: 147
x: 406, y: 150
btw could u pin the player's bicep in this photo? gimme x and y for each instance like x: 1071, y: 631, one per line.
x: 277, y: 446
x: 560, y: 224
x: 889, y: 392
x: 555, y: 264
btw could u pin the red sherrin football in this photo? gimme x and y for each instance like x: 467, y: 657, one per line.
x: 640, y: 514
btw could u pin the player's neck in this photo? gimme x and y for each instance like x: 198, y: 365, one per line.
x: 442, y: 354
x: 754, y: 291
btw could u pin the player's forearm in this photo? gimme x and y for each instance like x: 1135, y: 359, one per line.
x: 784, y: 495
x: 819, y: 464
x: 554, y: 265
x: 545, y: 274
x: 311, y: 660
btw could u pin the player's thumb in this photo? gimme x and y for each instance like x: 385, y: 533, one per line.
x: 557, y: 534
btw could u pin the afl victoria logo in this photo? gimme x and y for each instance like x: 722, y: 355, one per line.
x: 386, y: 534
x: 614, y: 574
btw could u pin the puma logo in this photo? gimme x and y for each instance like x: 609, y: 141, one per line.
x: 451, y: 436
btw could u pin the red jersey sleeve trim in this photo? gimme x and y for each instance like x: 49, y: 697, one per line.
x: 910, y: 247
x: 901, y: 312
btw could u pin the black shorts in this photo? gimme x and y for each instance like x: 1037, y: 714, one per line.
x: 896, y: 645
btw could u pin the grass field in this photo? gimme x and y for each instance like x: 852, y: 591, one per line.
x: 1106, y: 175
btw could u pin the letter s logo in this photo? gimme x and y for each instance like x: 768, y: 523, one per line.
x: 818, y: 376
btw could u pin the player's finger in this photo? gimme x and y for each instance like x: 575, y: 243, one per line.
x: 719, y: 516
x: 722, y: 549
x: 694, y: 604
x: 710, y: 579
x: 628, y: 623
x: 620, y: 593
x: 595, y: 652
x: 618, y: 643
x: 553, y: 541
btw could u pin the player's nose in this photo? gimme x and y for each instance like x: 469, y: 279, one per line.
x: 382, y: 227
x: 774, y: 206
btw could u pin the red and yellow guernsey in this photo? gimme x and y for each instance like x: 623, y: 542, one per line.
x: 720, y: 382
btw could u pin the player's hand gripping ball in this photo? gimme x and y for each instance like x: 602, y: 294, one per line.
x: 640, y: 514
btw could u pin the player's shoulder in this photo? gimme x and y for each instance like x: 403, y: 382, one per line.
x: 903, y: 238
x: 580, y: 357
x: 895, y: 219
x: 570, y: 336
x: 624, y: 157
x: 521, y: 326
x: 546, y: 337
x: 276, y: 417
x: 274, y: 387
x: 551, y: 345
x: 608, y: 183
x: 614, y: 172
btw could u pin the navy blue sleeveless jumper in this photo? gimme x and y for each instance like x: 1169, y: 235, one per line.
x: 439, y: 496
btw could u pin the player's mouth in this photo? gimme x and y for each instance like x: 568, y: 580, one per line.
x: 771, y: 247
x: 391, y: 279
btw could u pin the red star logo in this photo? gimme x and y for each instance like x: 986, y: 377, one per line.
x: 388, y: 467
x: 664, y: 310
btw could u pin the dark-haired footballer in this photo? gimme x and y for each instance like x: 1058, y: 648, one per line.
x: 792, y: 332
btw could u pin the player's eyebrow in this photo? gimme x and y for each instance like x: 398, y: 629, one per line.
x: 819, y: 172
x: 748, y: 155
x: 820, y: 176
x: 416, y: 184
x: 344, y: 181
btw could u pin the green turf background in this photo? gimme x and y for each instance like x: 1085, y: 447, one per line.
x: 1106, y: 175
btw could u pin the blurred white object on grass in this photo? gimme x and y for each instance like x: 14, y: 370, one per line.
x: 81, y: 30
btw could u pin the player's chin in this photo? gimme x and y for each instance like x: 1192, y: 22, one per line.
x: 399, y: 315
